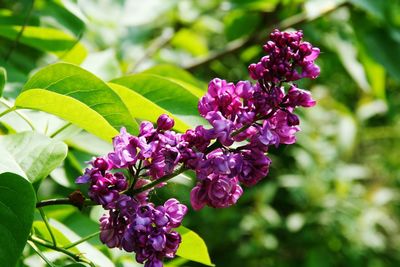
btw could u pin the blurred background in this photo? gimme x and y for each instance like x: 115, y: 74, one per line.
x: 333, y: 199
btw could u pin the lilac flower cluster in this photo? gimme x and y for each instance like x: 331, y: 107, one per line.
x: 246, y: 120
x: 258, y: 115
x: 133, y: 223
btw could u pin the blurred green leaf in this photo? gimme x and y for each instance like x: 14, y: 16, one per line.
x: 193, y: 247
x: 17, y: 205
x: 241, y: 23
x: 386, y: 49
x: 261, y: 5
x: 376, y: 74
x: 78, y: 96
x: 51, y: 40
x: 3, y: 79
x: 63, y: 16
x: 190, y: 41
x: 376, y: 8
x: 34, y: 154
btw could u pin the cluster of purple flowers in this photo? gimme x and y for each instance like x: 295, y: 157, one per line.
x: 246, y: 120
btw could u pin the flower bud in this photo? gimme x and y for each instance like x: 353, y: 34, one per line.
x: 165, y: 122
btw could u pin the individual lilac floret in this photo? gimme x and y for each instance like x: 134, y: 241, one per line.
x: 255, y: 166
x: 217, y: 191
x: 298, y: 97
x: 221, y: 96
x: 127, y: 150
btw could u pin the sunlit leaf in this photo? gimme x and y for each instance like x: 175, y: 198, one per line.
x: 17, y: 204
x: 77, y: 96
x: 178, y: 100
x: 177, y: 73
x: 193, y: 247
x: 142, y: 108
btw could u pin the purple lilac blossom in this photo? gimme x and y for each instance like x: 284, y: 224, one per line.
x: 260, y: 115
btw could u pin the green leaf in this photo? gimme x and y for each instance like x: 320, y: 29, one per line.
x: 171, y: 96
x: 62, y: 15
x: 176, y: 73
x: 78, y: 96
x: 31, y: 155
x: 3, y: 79
x: 193, y: 247
x: 142, y: 108
x: 17, y: 205
x: 371, y: 37
x: 63, y: 45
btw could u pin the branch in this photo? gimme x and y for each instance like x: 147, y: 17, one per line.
x: 75, y: 199
x: 76, y: 257
x: 158, y: 181
x: 21, y: 31
x: 240, y: 43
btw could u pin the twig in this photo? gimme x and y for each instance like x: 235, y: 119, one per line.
x: 157, y: 44
x: 76, y: 257
x: 37, y: 250
x: 11, y: 108
x: 238, y: 44
x: 158, y: 181
x: 82, y: 240
x: 64, y: 201
x: 21, y: 31
x: 46, y: 222
x: 62, y: 128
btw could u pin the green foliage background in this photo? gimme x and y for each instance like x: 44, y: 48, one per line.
x: 330, y: 200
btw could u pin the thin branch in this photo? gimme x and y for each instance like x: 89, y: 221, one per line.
x: 156, y: 45
x: 81, y: 240
x: 46, y: 222
x: 16, y: 41
x: 7, y: 111
x: 76, y: 257
x: 65, y: 201
x: 11, y: 108
x: 37, y: 250
x: 240, y: 43
x: 62, y: 128
x: 158, y: 181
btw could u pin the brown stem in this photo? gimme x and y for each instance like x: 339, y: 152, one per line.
x: 65, y: 201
